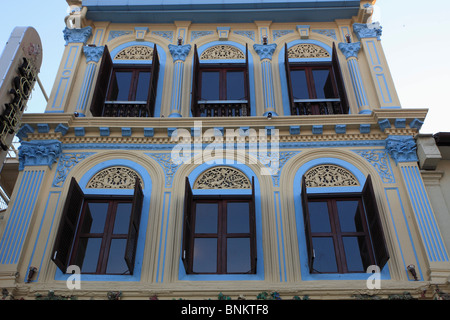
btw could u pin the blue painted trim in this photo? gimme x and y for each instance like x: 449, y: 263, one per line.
x: 147, y: 190
x: 306, y: 275
x: 258, y: 218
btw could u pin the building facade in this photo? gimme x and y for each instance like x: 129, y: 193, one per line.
x: 188, y: 150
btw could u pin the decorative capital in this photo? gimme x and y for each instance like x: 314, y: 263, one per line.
x: 367, y: 30
x: 179, y: 52
x: 265, y: 51
x: 350, y: 50
x: 77, y: 35
x: 402, y: 148
x: 93, y: 54
x: 39, y: 153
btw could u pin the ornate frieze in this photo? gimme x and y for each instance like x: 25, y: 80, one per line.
x: 329, y: 175
x: 117, y: 177
x: 326, y: 32
x: 307, y: 50
x: 65, y: 164
x: 168, y: 165
x: 39, y: 153
x: 222, y: 52
x: 118, y: 33
x: 245, y: 33
x: 222, y: 177
x: 379, y: 159
x: 135, y: 53
x: 402, y: 148
x: 77, y: 35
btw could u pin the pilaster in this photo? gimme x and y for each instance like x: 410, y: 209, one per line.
x: 265, y: 52
x: 179, y: 53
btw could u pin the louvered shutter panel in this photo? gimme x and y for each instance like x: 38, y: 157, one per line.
x: 288, y: 79
x: 133, y: 230
x: 253, y: 227
x: 153, y: 83
x: 101, y: 86
x: 339, y: 81
x: 187, y: 228
x: 195, y: 77
x: 306, y: 219
x: 374, y: 222
x: 67, y: 226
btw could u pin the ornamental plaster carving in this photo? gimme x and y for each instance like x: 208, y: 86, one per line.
x: 221, y: 52
x: 329, y: 175
x: 222, y: 178
x: 117, y: 177
x: 307, y: 50
x: 135, y: 53
x: 39, y: 153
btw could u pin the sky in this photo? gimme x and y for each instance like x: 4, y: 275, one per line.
x: 415, y: 41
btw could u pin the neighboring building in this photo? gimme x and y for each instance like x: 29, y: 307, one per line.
x: 188, y: 150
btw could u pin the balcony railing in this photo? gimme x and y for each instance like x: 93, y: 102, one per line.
x: 126, y: 109
x: 223, y: 108
x: 317, y: 107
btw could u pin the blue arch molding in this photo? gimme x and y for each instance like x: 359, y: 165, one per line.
x: 162, y: 66
x: 258, y: 219
x: 282, y: 68
x: 306, y: 275
x: 251, y: 73
x: 219, y: 11
x: 147, y: 191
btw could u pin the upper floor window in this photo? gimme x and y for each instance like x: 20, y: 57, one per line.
x: 125, y: 90
x: 220, y: 89
x: 315, y: 88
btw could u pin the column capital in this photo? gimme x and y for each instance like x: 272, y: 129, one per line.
x: 179, y: 52
x: 77, y: 35
x: 367, y: 30
x: 93, y: 54
x: 402, y: 148
x: 39, y: 153
x: 350, y: 50
x: 265, y: 51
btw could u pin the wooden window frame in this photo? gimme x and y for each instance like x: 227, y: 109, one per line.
x: 135, y: 70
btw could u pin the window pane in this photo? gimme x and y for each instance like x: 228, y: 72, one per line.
x: 95, y: 217
x: 121, y: 86
x: 122, y: 220
x: 206, y: 217
x: 323, y: 84
x: 356, y: 254
x: 238, y: 255
x: 142, y: 86
x: 235, y: 85
x: 88, y: 252
x: 238, y: 217
x: 299, y: 84
x: 205, y: 255
x: 210, y: 85
x: 349, y: 216
x: 325, y: 257
x: 116, y: 257
x: 319, y: 218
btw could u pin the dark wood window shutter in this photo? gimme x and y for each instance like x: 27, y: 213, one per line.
x: 374, y: 223
x: 187, y: 228
x: 67, y: 226
x: 101, y: 86
x: 195, y: 85
x: 133, y: 230
x: 339, y: 81
x: 288, y: 78
x: 306, y: 219
x: 153, y: 83
x: 253, y: 227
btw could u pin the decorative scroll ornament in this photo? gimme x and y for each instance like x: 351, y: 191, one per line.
x: 222, y: 52
x: 329, y: 175
x: 307, y: 50
x: 135, y: 53
x: 113, y: 178
x: 222, y: 178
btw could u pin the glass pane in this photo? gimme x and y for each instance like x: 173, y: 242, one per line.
x: 116, y: 258
x: 206, y: 217
x: 356, y: 254
x: 319, y: 219
x: 121, y: 86
x: 238, y: 255
x: 142, y: 86
x: 95, y: 217
x: 205, y: 255
x: 238, y: 217
x: 325, y: 257
x: 349, y: 216
x: 210, y: 85
x: 122, y: 220
x: 235, y: 85
x: 323, y: 84
x: 88, y: 252
x: 299, y: 84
